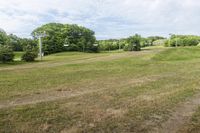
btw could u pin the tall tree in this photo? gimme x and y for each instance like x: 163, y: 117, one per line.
x: 76, y: 37
x: 134, y: 42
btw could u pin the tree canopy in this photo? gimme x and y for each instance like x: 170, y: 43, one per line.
x: 76, y: 38
x: 3, y: 38
x: 134, y: 43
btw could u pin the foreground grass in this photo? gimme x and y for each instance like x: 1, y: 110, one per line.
x: 194, y: 125
x: 133, y: 93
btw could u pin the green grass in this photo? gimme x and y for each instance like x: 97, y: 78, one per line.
x: 178, y: 54
x: 194, y: 126
x: 18, y: 56
x: 127, y: 92
x: 154, y: 47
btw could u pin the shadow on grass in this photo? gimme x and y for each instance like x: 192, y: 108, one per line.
x: 14, y: 63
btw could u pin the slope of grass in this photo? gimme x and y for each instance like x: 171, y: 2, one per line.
x: 178, y: 54
x: 19, y: 81
x: 132, y: 93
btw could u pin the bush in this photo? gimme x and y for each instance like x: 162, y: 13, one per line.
x: 134, y: 43
x: 137, y: 47
x: 6, y: 54
x: 128, y: 47
x: 111, y: 44
x: 93, y: 49
x: 29, y: 56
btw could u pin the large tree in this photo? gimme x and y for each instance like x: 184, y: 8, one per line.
x: 75, y: 37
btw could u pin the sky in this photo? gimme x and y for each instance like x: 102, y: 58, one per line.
x: 108, y: 18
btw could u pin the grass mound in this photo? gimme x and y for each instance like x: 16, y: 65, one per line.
x: 178, y: 54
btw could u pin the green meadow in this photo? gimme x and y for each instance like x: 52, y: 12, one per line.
x: 105, y: 92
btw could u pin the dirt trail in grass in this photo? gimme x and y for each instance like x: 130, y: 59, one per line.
x: 180, y: 116
x: 59, y: 94
x: 43, y: 97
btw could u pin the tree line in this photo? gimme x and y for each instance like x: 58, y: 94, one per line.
x: 14, y: 42
x: 71, y: 37
x: 60, y: 37
x: 182, y: 40
x: 11, y: 43
x: 132, y: 43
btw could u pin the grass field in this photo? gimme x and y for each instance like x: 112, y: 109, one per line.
x: 18, y: 56
x: 105, y: 92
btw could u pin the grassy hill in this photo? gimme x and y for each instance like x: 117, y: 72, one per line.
x: 178, y: 54
x: 105, y: 92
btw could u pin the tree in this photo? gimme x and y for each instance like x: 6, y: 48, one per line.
x: 134, y: 43
x: 77, y: 38
x: 28, y: 43
x: 6, y: 54
x: 111, y: 44
x: 3, y: 38
x: 80, y: 37
x: 30, y: 54
x: 54, y: 41
x: 15, y: 42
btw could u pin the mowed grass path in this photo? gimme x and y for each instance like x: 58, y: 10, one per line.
x: 106, y: 92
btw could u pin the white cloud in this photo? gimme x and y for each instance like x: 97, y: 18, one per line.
x: 108, y: 18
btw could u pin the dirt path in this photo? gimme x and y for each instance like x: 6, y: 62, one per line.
x: 181, y: 116
x: 43, y: 97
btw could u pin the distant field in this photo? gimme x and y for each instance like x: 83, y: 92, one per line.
x: 155, y: 90
x: 18, y: 56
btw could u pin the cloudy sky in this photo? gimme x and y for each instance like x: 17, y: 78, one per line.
x: 108, y: 18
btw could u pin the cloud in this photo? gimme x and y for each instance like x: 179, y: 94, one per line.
x: 108, y: 18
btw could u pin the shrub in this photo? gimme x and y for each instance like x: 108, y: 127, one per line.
x: 134, y: 43
x: 6, y: 54
x: 29, y: 56
x: 125, y: 48
x: 137, y: 47
x: 93, y: 49
x: 111, y: 44
x: 128, y: 47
